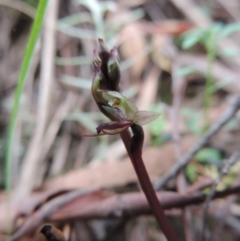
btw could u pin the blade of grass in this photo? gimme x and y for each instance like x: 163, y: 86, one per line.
x: 36, y: 28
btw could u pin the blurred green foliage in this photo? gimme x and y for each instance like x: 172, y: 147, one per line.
x: 210, y: 38
x: 206, y: 155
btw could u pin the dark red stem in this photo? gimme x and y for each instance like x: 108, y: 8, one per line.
x: 146, y: 185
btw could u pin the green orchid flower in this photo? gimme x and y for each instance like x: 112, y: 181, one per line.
x: 105, y: 90
x: 124, y: 113
x: 129, y: 109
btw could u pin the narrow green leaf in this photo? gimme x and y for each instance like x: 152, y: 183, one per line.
x: 36, y: 28
x: 216, y: 28
x: 190, y: 42
x: 229, y: 52
x: 191, y: 38
x: 228, y: 30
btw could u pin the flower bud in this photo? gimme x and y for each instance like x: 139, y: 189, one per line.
x: 109, y: 66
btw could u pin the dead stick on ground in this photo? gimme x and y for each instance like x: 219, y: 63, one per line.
x: 117, y: 206
x: 48, y: 209
x: 134, y: 204
x: 234, y: 107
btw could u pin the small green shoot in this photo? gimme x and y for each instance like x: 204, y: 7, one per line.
x: 191, y: 173
x: 207, y: 155
x: 209, y: 38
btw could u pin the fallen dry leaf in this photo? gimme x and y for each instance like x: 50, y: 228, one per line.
x: 106, y: 175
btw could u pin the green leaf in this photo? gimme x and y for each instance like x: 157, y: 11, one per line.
x: 216, y: 28
x: 190, y: 42
x: 191, y: 38
x: 191, y: 172
x: 233, y: 52
x: 211, y: 36
x: 207, y: 154
x: 228, y: 30
x: 36, y: 28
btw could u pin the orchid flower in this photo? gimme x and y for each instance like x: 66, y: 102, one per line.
x: 124, y: 114
x: 125, y: 110
x: 105, y: 90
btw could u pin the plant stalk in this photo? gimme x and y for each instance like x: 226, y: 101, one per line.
x: 146, y: 185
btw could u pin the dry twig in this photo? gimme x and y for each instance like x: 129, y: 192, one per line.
x: 233, y: 108
x: 49, y: 208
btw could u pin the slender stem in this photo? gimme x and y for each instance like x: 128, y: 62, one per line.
x: 146, y: 185
x: 132, y: 143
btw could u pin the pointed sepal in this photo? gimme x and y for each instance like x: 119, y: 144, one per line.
x: 145, y: 117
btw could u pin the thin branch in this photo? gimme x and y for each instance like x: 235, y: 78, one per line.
x: 133, y: 204
x: 128, y: 205
x: 47, y: 210
x: 233, y: 108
